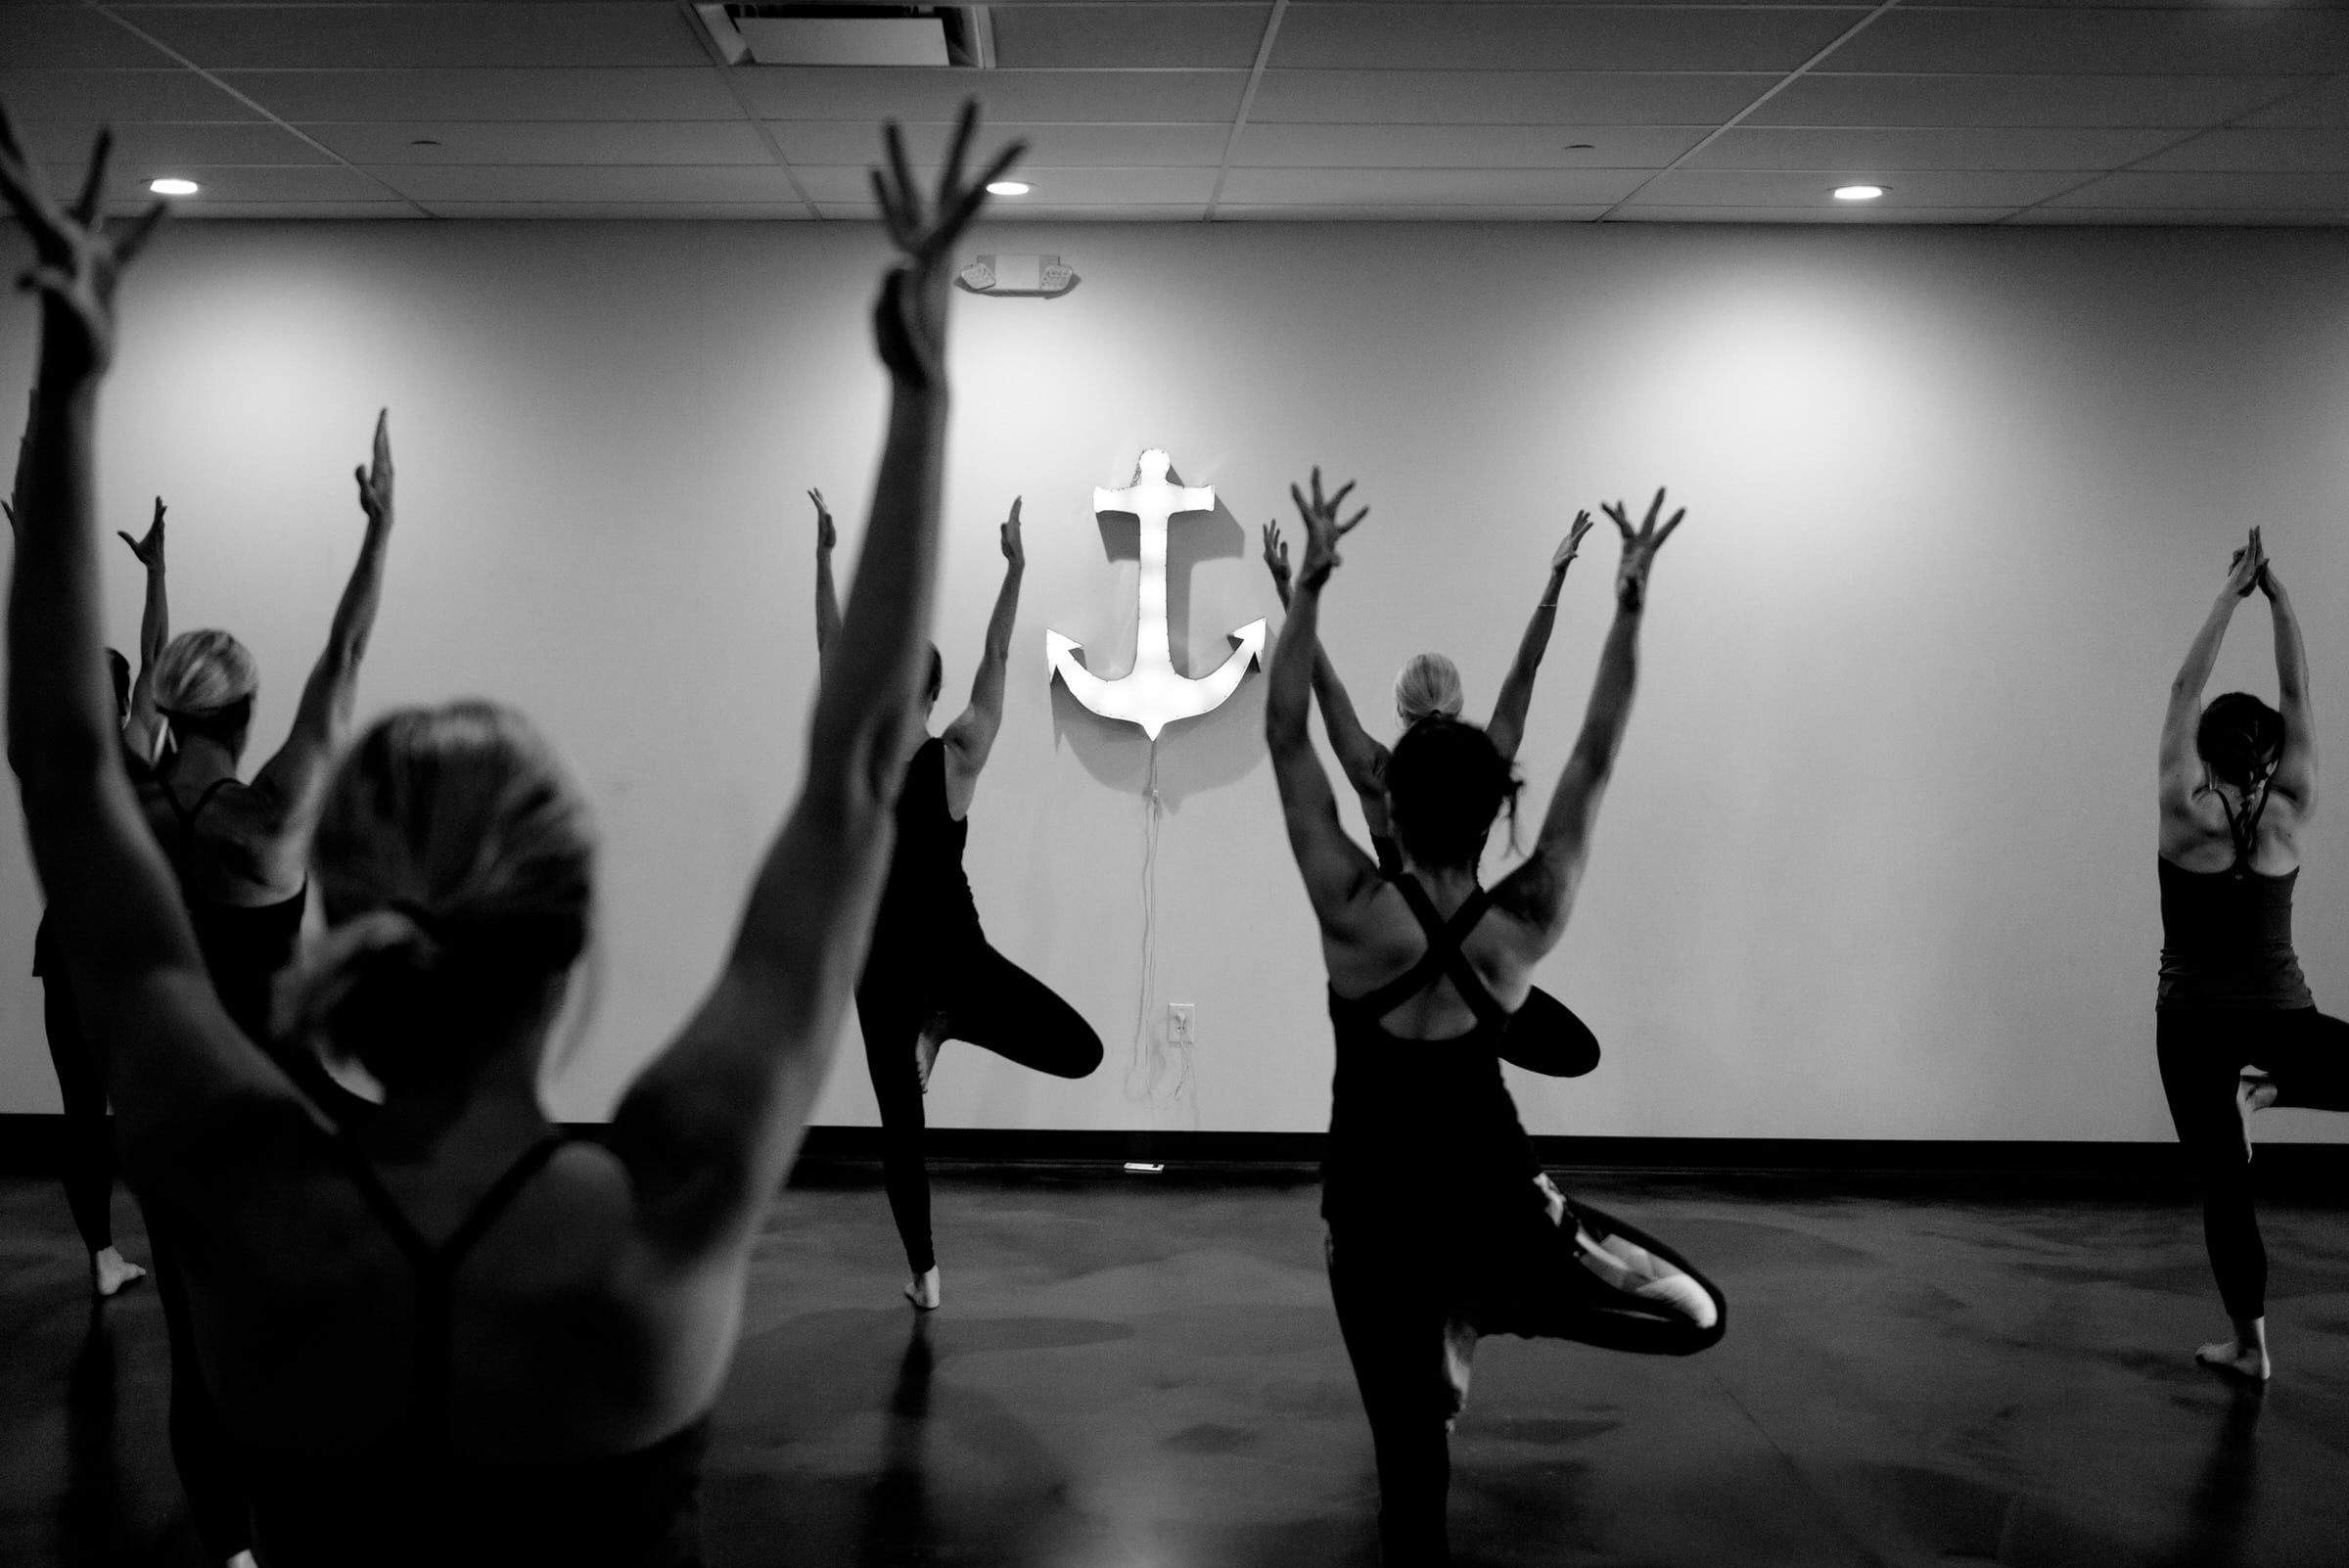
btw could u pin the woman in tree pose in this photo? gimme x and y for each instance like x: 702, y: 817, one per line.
x: 80, y: 1086
x: 931, y: 974
x: 1545, y: 1036
x: 444, y: 1333
x: 2235, y: 1026
x: 1442, y: 1223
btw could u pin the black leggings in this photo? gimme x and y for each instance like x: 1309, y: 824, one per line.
x: 89, y: 1133
x: 2203, y: 1052
x: 206, y: 1455
x: 966, y: 990
x: 1410, y: 1310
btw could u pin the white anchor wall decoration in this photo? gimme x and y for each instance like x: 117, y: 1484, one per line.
x: 1152, y: 694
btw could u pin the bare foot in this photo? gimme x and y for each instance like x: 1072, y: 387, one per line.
x: 2233, y: 1356
x: 925, y: 1054
x: 243, y: 1559
x: 2254, y: 1090
x: 922, y: 1289
x: 110, y: 1272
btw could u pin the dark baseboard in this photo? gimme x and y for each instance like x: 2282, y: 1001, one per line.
x: 33, y: 1144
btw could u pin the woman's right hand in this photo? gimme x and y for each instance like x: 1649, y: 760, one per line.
x: 2244, y: 569
x: 910, y: 320
x: 1277, y: 560
x: 76, y: 263
x: 149, y: 550
x: 1640, y: 549
x: 826, y: 535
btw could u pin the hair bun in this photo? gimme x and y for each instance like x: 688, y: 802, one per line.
x: 376, y: 943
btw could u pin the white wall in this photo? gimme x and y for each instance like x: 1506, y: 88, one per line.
x: 1880, y: 858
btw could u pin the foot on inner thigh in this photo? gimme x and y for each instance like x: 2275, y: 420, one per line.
x: 1636, y: 1271
x: 110, y: 1272
x: 922, y: 1289
x: 2254, y: 1090
x: 925, y: 1050
x: 2235, y: 1356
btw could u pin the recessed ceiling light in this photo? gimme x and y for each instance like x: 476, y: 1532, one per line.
x: 173, y: 187
x: 1008, y: 188
x: 1579, y: 147
x: 1857, y: 193
x: 423, y: 141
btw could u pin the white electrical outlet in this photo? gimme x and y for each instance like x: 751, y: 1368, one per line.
x: 1178, y: 1024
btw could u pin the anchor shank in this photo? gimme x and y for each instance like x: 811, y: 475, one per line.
x: 1150, y: 640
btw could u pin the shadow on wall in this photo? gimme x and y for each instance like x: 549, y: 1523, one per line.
x: 1193, y: 753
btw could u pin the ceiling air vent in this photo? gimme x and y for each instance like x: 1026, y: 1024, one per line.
x: 753, y: 35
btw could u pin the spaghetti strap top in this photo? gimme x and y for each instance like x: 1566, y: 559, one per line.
x: 1419, y: 1129
x: 2226, y: 936
x: 415, y: 1499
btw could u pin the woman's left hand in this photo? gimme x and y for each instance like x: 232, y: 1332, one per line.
x: 1322, y: 530
x: 76, y: 262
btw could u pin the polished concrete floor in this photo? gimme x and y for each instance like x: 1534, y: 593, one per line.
x: 1137, y: 1372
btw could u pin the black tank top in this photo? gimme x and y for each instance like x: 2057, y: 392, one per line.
x: 2226, y: 936
x: 928, y: 899
x: 1421, y: 1130
x: 416, y: 1499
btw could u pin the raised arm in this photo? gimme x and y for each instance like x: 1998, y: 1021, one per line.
x: 709, y: 1130
x: 291, y: 781
x: 2180, y: 764
x: 1541, y: 892
x: 2296, y: 770
x: 1338, y: 876
x: 146, y: 1004
x: 827, y: 597
x: 972, y: 735
x: 144, y: 726
x: 1507, y: 729
x: 1363, y: 760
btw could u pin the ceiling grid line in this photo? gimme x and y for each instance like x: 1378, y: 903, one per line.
x: 272, y: 117
x: 1734, y: 120
x: 1239, y: 120
x: 758, y: 127
x: 2236, y: 123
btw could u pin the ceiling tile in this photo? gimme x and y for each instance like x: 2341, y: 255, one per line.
x: 619, y: 142
x: 1129, y: 37
x: 1825, y: 99
x: 1911, y: 148
x: 1789, y: 214
x: 2323, y: 151
x: 1426, y: 187
x: 1709, y: 187
x: 116, y: 97
x: 317, y: 182
x: 1382, y: 212
x: 674, y: 212
x: 48, y: 37
x: 850, y: 183
x: 1048, y: 146
x: 145, y: 150
x: 2249, y: 217
x: 321, y: 96
x: 1030, y: 97
x: 2181, y: 188
x: 290, y: 211
x: 1536, y: 37
x: 1502, y: 97
x: 541, y: 182
x: 2325, y: 103
x: 526, y: 33
x: 1463, y: 146
x: 2230, y: 40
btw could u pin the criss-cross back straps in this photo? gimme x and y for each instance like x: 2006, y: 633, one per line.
x: 1443, y: 956
x: 2244, y: 830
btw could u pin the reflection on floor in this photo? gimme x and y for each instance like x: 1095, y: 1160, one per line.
x: 1144, y: 1373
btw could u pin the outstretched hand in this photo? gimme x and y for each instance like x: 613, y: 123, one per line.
x: 910, y: 320
x: 1277, y: 560
x: 1571, y: 545
x: 2243, y: 569
x: 1322, y: 530
x: 76, y: 262
x: 826, y: 535
x: 1013, y: 551
x: 1640, y: 549
x: 149, y: 550
x: 375, y: 482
